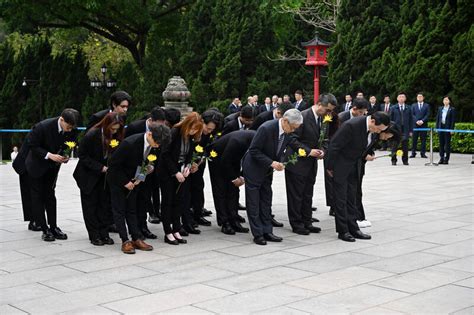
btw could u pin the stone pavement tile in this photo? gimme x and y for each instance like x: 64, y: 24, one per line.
x: 328, y: 248
x: 78, y: 299
x: 378, y: 311
x: 12, y: 255
x: 265, y: 261
x: 334, y: 262
x: 115, y: 261
x: 465, y: 311
x: 96, y: 310
x: 388, y: 236
x: 259, y: 279
x: 98, y: 278
x: 348, y: 300
x: 435, y: 226
x: 45, y: 261
x: 441, y: 300
x: 54, y: 248
x: 408, y: 262
x: 186, y: 310
x: 195, y: 246
x: 426, y: 217
x: 258, y: 300
x: 469, y: 282
x: 167, y: 300
x: 24, y: 292
x: 284, y: 310
x: 172, y: 280
x: 446, y: 237
x: 423, y: 279
x: 459, y: 249
x: 395, y: 248
x: 36, y: 275
x: 385, y: 225
x: 10, y: 310
x: 463, y: 264
x: 31, y: 242
x: 340, y: 279
x: 249, y: 250
x: 194, y: 261
x: 463, y: 218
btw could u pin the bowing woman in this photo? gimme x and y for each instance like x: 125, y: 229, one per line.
x: 94, y: 150
x: 174, y: 167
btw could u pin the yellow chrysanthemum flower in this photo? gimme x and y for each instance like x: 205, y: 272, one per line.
x: 327, y: 118
x: 399, y: 153
x: 213, y: 154
x: 70, y: 144
x: 219, y: 134
x: 151, y: 157
x: 199, y: 149
x: 301, y: 152
x: 114, y: 143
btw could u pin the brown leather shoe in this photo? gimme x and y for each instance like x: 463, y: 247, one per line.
x: 128, y: 248
x: 141, y: 245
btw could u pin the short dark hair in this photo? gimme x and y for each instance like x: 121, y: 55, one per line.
x: 212, y: 115
x: 283, y: 107
x: 327, y: 98
x: 360, y: 103
x: 247, y: 112
x: 173, y: 116
x: 71, y: 116
x: 118, y: 97
x: 420, y: 93
x: 348, y: 94
x: 386, y: 95
x: 449, y: 98
x: 160, y: 133
x: 157, y: 113
x: 381, y: 118
x: 402, y: 93
x: 299, y: 92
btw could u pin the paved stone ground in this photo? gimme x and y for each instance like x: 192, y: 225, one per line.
x: 419, y: 261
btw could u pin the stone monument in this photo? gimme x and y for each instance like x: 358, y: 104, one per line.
x: 176, y: 95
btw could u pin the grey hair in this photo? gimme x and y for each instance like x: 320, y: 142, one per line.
x: 293, y: 116
x: 326, y: 99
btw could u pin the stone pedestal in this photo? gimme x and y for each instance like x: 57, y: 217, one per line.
x: 176, y: 95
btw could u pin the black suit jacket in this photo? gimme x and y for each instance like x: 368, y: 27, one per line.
x: 230, y: 126
x: 96, y: 117
x: 263, y: 108
x: 19, y: 163
x: 344, y: 116
x: 371, y: 110
x: 168, y: 162
x: 91, y: 160
x: 231, y: 117
x: 124, y: 161
x: 450, y: 118
x: 347, y: 146
x: 230, y: 150
x: 303, y: 105
x: 406, y: 117
x: 260, y: 119
x: 137, y: 126
x: 307, y: 136
x: 44, y: 138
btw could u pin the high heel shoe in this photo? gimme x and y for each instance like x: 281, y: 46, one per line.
x: 171, y: 242
x: 179, y: 238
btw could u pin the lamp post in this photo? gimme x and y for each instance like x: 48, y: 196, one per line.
x: 104, y: 83
x: 26, y: 82
x: 316, y: 55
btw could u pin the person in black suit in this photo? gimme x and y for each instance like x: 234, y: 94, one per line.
x: 421, y: 114
x: 265, y: 155
x: 345, y: 150
x: 212, y: 124
x: 120, y: 102
x: 122, y: 177
x: 402, y: 115
x: 358, y: 108
x: 373, y: 106
x: 95, y: 148
x: 301, y: 177
x: 225, y: 173
x: 235, y: 106
x: 445, y: 119
x: 348, y: 103
x: 175, y: 165
x: 46, y: 144
x: 300, y: 104
x: 20, y: 168
x: 173, y: 116
x: 266, y: 107
x: 276, y: 113
x: 328, y: 181
x: 241, y: 122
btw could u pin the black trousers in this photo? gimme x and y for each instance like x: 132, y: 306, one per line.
x: 359, y: 205
x: 225, y: 195
x: 124, y: 208
x: 345, y: 190
x: 144, y: 201
x: 299, y: 193
x: 404, y: 144
x: 94, y: 210
x: 155, y: 192
x: 422, y: 136
x: 196, y: 184
x: 175, y: 198
x: 43, y: 197
x: 25, y: 191
x: 328, y: 187
x: 444, y: 144
x: 258, y: 200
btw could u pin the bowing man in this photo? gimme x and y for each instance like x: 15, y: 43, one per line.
x: 120, y: 101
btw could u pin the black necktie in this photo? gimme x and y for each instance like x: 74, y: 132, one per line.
x: 401, y: 114
x: 280, y: 142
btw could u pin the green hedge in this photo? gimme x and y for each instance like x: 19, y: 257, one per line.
x: 460, y: 142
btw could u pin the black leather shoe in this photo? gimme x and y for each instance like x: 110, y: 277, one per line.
x: 446, y: 162
x: 171, y: 242
x: 272, y: 238
x: 347, y: 237
x: 332, y: 212
x: 227, y: 229
x: 192, y: 230
x: 239, y: 228
x: 259, y: 240
x: 424, y: 156
x: 275, y: 223
x: 313, y: 229
x: 301, y: 231
x: 412, y: 156
x: 405, y: 163
x: 154, y: 219
x: 58, y: 234
x: 183, y: 232
x: 113, y: 228
x: 48, y: 236
x: 360, y: 235
x: 314, y: 208
x: 33, y: 227
x: 314, y: 220
x: 241, y: 207
x: 97, y: 242
x: 394, y: 163
x: 108, y: 241
x: 240, y: 218
x: 147, y: 233
x: 206, y: 212
x: 203, y: 221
